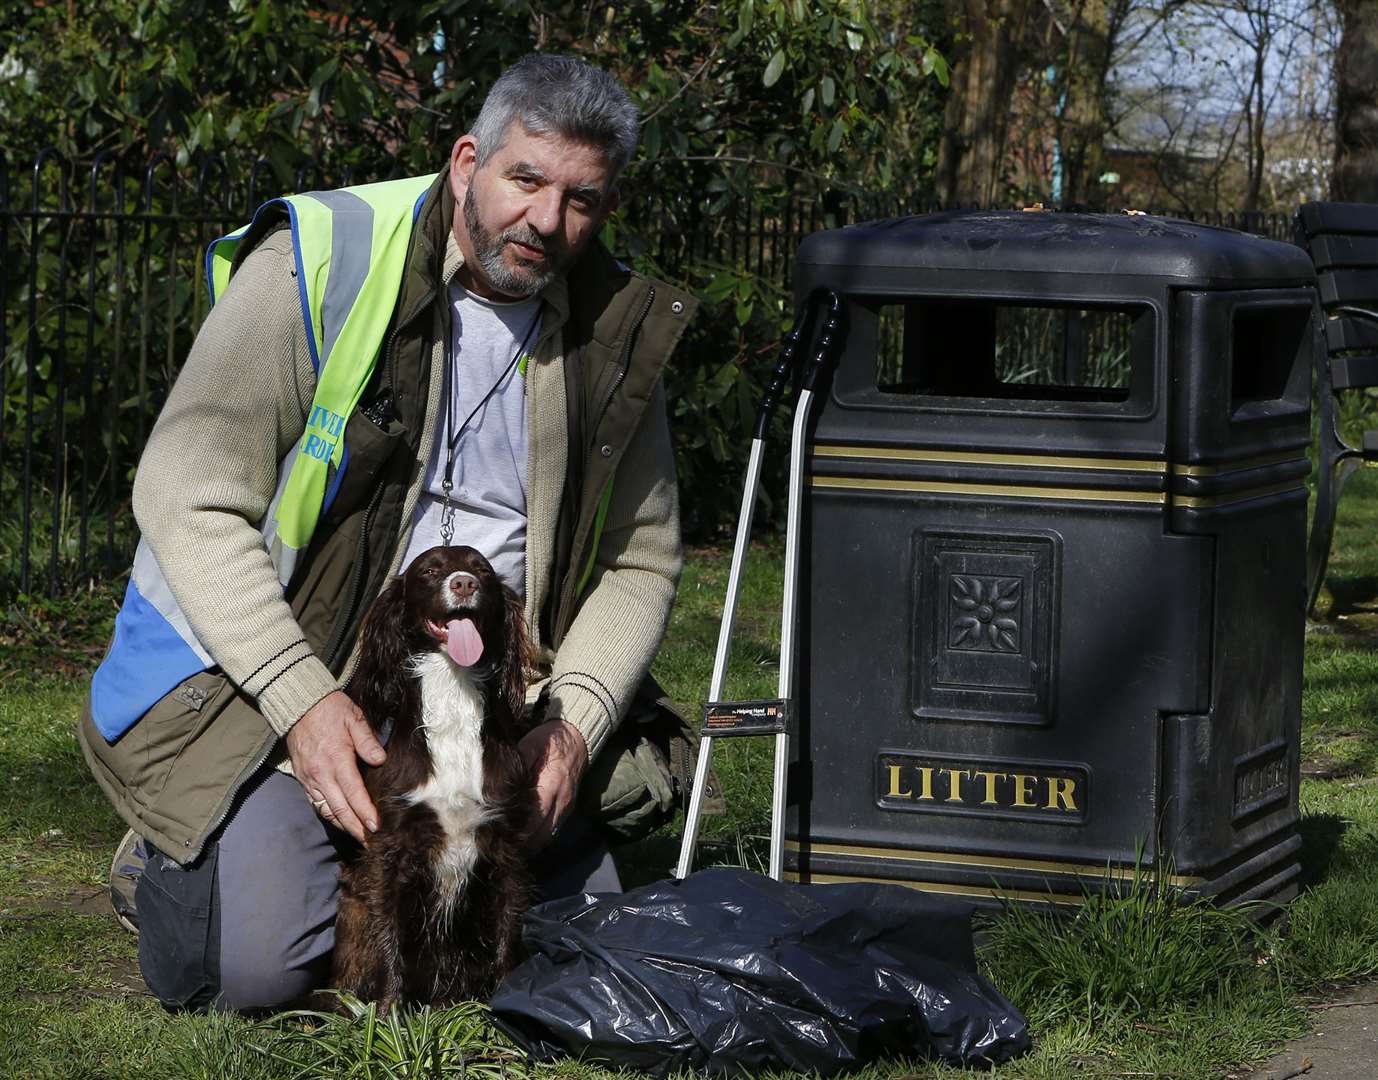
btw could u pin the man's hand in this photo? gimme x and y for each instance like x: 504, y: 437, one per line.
x: 324, y: 746
x: 556, y: 754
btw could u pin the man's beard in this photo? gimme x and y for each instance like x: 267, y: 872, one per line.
x: 520, y: 280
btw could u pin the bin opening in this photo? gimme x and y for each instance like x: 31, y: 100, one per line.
x: 1013, y: 350
x: 1269, y: 344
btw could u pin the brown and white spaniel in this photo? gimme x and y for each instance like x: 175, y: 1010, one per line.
x: 431, y: 905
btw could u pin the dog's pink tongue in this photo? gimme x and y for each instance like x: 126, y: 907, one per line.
x: 462, y: 642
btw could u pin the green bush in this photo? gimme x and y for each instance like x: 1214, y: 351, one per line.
x: 175, y: 115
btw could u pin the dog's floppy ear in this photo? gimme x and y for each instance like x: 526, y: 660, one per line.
x: 516, y: 652
x: 378, y: 683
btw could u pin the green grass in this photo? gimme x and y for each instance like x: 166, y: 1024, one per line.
x: 418, y: 1044
x: 1135, y: 950
x: 685, y: 667
x: 1334, y: 923
x: 1133, y: 984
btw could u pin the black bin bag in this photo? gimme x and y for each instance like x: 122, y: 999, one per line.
x: 731, y: 972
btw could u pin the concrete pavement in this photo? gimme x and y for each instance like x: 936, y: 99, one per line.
x: 1344, y: 1045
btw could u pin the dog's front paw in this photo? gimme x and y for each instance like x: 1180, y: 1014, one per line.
x: 327, y: 1001
x: 388, y: 1003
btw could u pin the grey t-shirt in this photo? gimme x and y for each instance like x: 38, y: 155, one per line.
x: 489, y: 457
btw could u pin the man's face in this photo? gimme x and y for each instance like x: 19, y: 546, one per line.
x: 528, y: 211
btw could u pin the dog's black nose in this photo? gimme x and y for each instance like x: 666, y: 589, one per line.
x: 463, y: 585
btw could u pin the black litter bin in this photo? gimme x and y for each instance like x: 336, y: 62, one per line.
x: 1052, y: 581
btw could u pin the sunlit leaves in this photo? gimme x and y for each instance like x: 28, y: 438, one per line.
x: 934, y: 64
x: 774, y: 69
x: 774, y: 81
x: 835, y: 135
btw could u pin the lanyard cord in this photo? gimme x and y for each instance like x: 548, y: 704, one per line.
x: 447, y: 517
x: 455, y: 435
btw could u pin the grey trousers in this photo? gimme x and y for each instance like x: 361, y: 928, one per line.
x: 251, y: 924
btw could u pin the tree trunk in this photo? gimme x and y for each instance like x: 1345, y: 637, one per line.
x: 976, y: 120
x: 1354, y: 177
x: 1255, y: 110
x: 1083, y: 120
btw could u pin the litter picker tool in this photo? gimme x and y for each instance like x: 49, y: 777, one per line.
x: 727, y: 719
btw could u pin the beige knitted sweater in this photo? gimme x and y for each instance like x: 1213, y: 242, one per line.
x: 239, y: 407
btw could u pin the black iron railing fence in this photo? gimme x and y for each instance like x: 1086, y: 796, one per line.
x: 102, y: 288
x: 98, y: 297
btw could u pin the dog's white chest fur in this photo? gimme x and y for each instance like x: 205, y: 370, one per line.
x: 452, y: 717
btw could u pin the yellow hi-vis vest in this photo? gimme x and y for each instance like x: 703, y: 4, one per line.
x: 350, y: 247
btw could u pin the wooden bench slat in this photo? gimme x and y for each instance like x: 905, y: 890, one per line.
x: 1359, y: 219
x: 1344, y: 252
x: 1353, y: 372
x: 1348, y: 287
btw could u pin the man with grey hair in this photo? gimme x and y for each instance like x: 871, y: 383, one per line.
x: 496, y: 379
